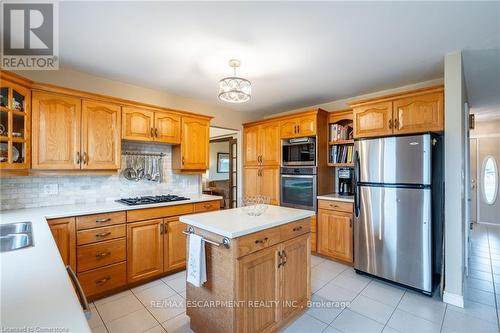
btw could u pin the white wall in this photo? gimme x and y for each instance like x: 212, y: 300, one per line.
x: 454, y: 143
x: 217, y: 147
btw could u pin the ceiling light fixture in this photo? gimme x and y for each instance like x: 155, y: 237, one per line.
x: 234, y: 89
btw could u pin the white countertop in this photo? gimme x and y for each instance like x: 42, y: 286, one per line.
x: 336, y: 197
x: 233, y: 223
x: 36, y: 291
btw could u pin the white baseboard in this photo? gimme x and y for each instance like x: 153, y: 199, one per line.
x: 453, y: 299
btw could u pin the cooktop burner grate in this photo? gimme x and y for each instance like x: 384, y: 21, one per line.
x: 151, y: 199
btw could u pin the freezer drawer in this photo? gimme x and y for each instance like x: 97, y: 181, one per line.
x: 392, y: 235
x: 394, y: 160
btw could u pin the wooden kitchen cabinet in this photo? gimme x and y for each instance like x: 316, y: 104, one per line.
x: 262, y: 144
x: 298, y: 127
x: 417, y: 114
x: 101, y: 137
x: 137, y: 124
x: 56, y: 131
x: 411, y: 112
x: 373, y: 120
x: 335, y: 237
x: 64, y: 232
x: 167, y: 127
x: 174, y: 245
x: 193, y: 152
x: 259, y: 281
x: 144, y: 249
x: 262, y: 181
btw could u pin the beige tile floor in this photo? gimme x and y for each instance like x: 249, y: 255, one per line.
x: 375, y: 306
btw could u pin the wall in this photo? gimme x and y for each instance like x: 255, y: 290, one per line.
x: 217, y: 147
x: 26, y: 192
x: 454, y: 145
x: 484, y: 128
x: 223, y: 116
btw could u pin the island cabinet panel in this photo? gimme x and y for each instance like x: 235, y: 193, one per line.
x: 295, y: 279
x: 56, y: 131
x: 144, y: 249
x: 63, y: 231
x: 174, y: 245
x: 259, y: 281
x: 101, y: 135
x: 373, y: 120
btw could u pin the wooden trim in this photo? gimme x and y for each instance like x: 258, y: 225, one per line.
x: 340, y: 115
x: 283, y: 117
x: 409, y: 93
x: 16, y: 78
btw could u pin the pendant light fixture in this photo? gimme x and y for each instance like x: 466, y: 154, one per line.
x: 234, y: 89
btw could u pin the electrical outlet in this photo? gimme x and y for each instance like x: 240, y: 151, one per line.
x: 50, y: 189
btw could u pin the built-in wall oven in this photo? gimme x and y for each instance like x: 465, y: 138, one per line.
x: 298, y: 187
x: 299, y: 152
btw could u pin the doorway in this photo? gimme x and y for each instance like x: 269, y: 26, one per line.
x: 222, y: 177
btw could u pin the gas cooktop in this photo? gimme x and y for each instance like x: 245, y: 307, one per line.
x: 151, y: 199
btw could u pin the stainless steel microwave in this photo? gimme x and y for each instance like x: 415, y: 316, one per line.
x: 299, y: 152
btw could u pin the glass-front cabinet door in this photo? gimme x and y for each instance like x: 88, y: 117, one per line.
x: 14, y: 125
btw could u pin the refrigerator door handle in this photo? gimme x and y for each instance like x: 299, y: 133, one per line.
x: 356, y: 179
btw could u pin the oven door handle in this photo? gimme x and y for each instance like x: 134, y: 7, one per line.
x: 298, y: 176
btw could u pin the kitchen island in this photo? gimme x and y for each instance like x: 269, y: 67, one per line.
x: 258, y: 269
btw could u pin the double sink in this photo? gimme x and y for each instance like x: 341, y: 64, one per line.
x: 15, y: 236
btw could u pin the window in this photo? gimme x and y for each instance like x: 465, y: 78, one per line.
x: 490, y: 180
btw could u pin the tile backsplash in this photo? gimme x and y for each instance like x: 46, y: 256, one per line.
x: 27, y: 192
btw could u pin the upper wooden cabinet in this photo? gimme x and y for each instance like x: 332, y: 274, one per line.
x: 101, y: 143
x: 15, y: 125
x: 193, y: 152
x: 298, y: 127
x: 56, y: 131
x: 422, y: 113
x: 373, y: 120
x: 262, y: 144
x: 414, y: 112
x: 146, y: 125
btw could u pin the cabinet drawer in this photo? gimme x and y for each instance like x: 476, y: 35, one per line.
x: 335, y: 205
x: 258, y: 241
x: 90, y: 236
x: 158, y: 212
x: 101, y: 254
x: 206, y: 206
x: 103, y: 279
x: 294, y: 229
x: 99, y: 220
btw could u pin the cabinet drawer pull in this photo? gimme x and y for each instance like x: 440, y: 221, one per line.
x: 103, y: 280
x: 103, y: 220
x: 261, y: 241
x: 103, y: 234
x: 102, y: 254
x: 297, y: 228
x: 334, y: 206
x: 207, y: 206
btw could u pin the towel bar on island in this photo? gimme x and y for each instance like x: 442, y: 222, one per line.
x: 225, y: 240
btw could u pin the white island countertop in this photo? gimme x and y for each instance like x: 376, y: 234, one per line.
x: 336, y: 197
x: 233, y: 223
x: 36, y: 291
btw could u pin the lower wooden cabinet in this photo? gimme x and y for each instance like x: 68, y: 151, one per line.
x: 144, y: 249
x: 100, y: 280
x: 174, y: 245
x: 335, y: 234
x: 63, y: 231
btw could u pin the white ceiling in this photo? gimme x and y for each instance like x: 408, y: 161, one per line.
x: 296, y: 54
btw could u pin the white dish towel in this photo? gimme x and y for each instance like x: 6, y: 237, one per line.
x: 197, y: 268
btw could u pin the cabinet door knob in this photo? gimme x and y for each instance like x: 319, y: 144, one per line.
x: 156, y: 132
x: 182, y: 160
x: 85, y: 158
x: 152, y: 132
x: 78, y: 159
x: 390, y: 123
x: 396, y: 123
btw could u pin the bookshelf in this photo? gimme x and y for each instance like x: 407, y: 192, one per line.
x: 341, y: 144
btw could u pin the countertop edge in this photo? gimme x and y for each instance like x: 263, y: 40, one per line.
x: 335, y: 197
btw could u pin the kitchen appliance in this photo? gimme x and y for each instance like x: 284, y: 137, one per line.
x: 299, y: 187
x: 299, y: 152
x: 398, y: 209
x: 345, y: 181
x: 151, y: 199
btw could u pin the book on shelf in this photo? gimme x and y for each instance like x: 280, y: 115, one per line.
x: 339, y: 132
x: 341, y: 154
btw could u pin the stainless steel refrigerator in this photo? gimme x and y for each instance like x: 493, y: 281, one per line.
x: 397, y: 212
